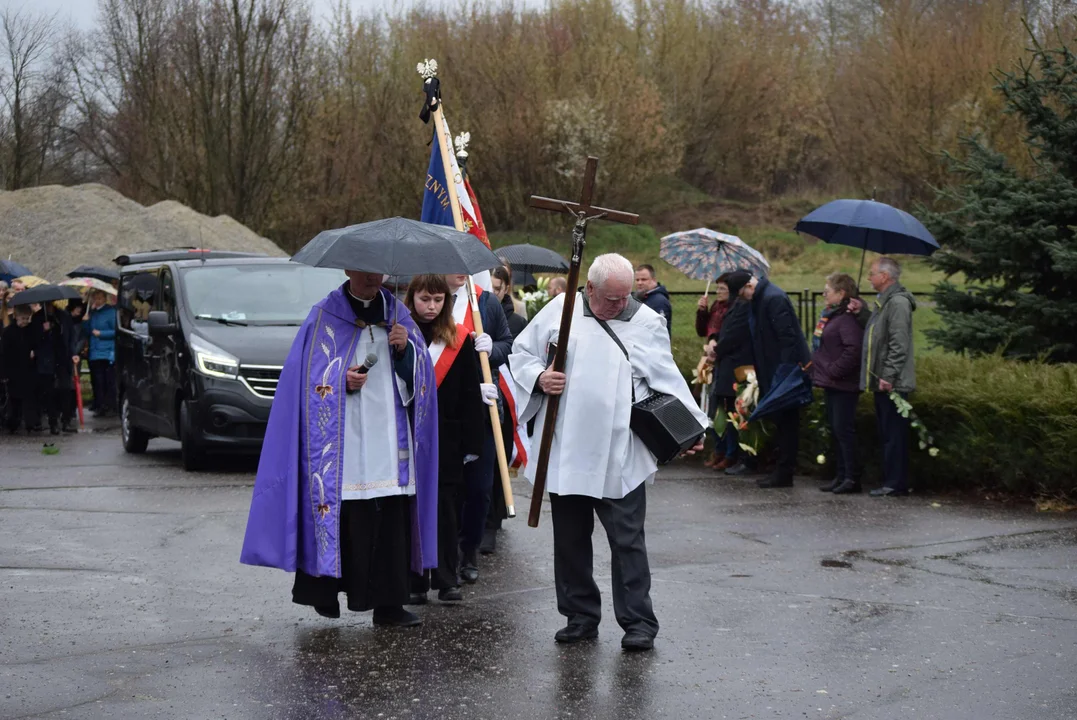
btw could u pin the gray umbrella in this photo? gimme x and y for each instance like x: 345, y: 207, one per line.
x: 397, y: 246
x: 44, y: 294
x: 532, y: 258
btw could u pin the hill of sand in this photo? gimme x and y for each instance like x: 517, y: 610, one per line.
x: 53, y: 229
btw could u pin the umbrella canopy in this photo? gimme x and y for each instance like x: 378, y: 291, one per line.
x: 45, y: 294
x: 94, y: 271
x: 9, y: 270
x: 398, y: 246
x: 522, y: 278
x: 85, y: 284
x: 868, y: 225
x: 32, y: 280
x: 791, y: 388
x: 532, y: 259
x: 704, y: 254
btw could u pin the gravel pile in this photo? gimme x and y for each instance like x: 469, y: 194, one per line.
x: 53, y: 229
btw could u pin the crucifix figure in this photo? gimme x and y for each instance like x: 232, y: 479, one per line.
x: 583, y: 212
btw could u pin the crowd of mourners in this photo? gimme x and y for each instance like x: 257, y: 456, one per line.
x: 751, y: 324
x: 43, y: 348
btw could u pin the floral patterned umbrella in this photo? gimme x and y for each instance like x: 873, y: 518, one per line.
x: 705, y: 254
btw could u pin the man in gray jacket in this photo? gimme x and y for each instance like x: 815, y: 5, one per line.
x: 888, y: 366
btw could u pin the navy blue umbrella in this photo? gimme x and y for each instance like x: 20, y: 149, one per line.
x: 868, y: 225
x: 9, y: 270
x: 791, y: 388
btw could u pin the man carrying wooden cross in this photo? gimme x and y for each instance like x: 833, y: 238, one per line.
x: 596, y: 463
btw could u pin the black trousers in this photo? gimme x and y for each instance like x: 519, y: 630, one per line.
x: 48, y: 399
x: 21, y: 411
x: 103, y: 381
x: 788, y: 431
x: 841, y: 417
x: 445, y: 575
x: 578, y: 598
x: 894, y: 435
x: 375, y: 554
x: 478, y: 490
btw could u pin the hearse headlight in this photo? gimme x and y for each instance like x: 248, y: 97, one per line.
x: 212, y: 360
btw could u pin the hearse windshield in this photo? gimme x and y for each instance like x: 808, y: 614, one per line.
x: 252, y: 294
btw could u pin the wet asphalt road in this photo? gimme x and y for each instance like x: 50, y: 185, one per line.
x: 121, y: 596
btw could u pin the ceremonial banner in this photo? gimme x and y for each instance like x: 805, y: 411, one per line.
x: 437, y: 207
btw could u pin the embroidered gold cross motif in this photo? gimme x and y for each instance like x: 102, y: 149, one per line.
x: 323, y: 390
x: 323, y: 510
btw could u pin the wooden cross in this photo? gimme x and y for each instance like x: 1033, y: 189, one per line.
x: 583, y: 207
x: 582, y: 211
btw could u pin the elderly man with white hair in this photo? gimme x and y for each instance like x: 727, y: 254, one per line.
x: 597, y: 465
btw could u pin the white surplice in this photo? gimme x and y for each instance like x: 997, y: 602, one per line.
x: 594, y: 452
x: 371, y: 453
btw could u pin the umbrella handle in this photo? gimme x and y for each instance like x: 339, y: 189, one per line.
x: 708, y: 290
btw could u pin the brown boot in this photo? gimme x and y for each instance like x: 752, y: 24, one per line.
x: 713, y: 461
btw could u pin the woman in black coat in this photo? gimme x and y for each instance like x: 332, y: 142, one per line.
x: 51, y: 333
x: 733, y: 350
x: 461, y: 424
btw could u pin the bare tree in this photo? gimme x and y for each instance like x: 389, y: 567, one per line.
x: 31, y: 88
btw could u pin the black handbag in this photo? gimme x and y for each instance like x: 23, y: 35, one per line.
x: 666, y: 427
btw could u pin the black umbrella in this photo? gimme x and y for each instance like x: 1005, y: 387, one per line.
x: 45, y: 294
x: 397, y: 246
x: 94, y: 271
x: 522, y: 278
x: 532, y: 258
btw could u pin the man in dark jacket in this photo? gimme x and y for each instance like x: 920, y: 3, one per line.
x: 776, y: 340
x: 888, y: 365
x: 654, y: 295
x: 501, y: 282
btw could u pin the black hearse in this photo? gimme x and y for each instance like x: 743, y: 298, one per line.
x: 201, y: 339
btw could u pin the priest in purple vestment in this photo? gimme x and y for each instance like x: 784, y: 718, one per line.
x: 346, y: 492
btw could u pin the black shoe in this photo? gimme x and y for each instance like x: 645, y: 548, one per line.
x: 489, y: 541
x: 830, y: 486
x: 888, y: 492
x: 636, y: 641
x: 69, y: 429
x: 847, y: 487
x: 469, y: 568
x: 450, y: 595
x: 738, y: 470
x: 574, y: 632
x: 328, y: 611
x: 54, y: 430
x: 35, y: 429
x: 417, y: 599
x: 396, y: 616
x: 775, y: 481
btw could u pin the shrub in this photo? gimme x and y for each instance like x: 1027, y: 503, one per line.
x: 998, y: 424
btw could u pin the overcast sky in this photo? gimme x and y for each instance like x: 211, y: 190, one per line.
x: 82, y: 12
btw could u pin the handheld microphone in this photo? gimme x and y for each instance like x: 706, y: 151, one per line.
x: 371, y: 361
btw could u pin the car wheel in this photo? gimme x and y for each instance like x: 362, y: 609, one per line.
x: 194, y: 458
x: 134, y: 439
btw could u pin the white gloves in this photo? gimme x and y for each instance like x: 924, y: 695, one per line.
x: 483, y: 343
x: 488, y: 392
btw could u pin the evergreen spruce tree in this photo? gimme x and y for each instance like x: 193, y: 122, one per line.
x: 1012, y: 234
